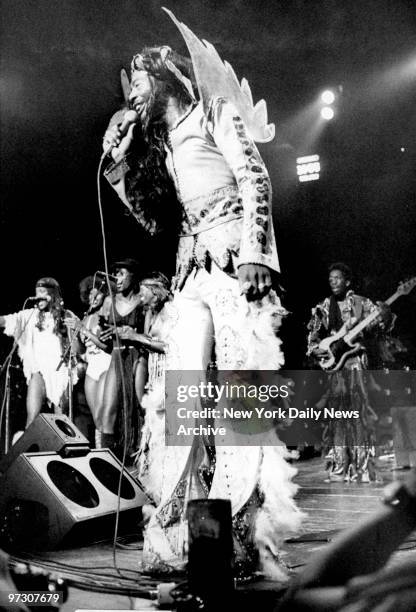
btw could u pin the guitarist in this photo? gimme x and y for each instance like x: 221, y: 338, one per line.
x: 350, y: 442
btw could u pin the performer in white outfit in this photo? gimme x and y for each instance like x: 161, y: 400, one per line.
x: 97, y: 354
x: 223, y: 296
x: 42, y: 338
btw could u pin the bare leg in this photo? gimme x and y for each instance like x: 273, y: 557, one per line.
x: 110, y: 399
x: 91, y: 388
x: 140, y: 378
x: 36, y: 395
x: 99, y: 398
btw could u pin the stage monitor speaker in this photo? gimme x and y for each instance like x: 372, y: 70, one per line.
x: 404, y: 435
x: 48, y: 501
x: 48, y: 432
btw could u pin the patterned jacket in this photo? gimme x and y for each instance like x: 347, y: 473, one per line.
x: 354, y: 308
x: 224, y: 190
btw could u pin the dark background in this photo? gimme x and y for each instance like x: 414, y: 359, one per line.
x: 60, y: 63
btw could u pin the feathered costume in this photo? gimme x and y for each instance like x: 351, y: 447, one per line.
x: 225, y: 193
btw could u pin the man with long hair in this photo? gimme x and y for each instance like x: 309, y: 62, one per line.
x: 222, y: 289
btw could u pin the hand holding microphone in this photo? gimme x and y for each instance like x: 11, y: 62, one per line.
x: 118, y: 137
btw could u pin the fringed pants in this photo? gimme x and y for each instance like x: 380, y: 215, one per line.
x: 215, y: 321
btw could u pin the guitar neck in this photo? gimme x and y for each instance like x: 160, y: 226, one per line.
x: 373, y: 315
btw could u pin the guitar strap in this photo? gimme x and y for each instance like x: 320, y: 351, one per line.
x: 335, y: 321
x: 358, y: 307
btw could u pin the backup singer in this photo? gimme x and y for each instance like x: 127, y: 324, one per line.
x: 42, y: 339
x: 223, y: 295
x: 97, y: 353
x: 126, y: 375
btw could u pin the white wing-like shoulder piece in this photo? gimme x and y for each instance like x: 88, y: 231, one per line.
x: 216, y: 78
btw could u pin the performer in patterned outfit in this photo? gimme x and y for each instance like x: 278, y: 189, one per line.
x: 222, y: 289
x: 349, y: 442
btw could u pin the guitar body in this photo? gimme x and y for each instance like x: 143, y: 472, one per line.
x: 341, y: 346
x: 339, y: 352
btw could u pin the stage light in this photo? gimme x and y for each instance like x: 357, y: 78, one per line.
x: 329, y: 102
x: 308, y: 168
x: 328, y: 96
x: 327, y: 113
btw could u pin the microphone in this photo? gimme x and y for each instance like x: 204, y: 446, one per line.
x: 99, y: 273
x: 130, y: 117
x: 35, y: 299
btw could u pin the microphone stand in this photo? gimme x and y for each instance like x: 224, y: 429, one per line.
x: 5, y: 407
x: 68, y: 357
x: 68, y: 350
x: 70, y: 385
x: 7, y: 412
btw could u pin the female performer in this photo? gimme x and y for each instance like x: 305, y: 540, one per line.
x: 97, y: 354
x: 42, y: 339
x: 126, y: 375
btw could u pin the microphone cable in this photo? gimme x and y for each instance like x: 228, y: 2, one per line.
x: 119, y: 360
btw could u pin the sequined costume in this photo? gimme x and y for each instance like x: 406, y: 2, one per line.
x: 227, y: 210
x: 224, y: 192
x: 257, y: 480
x: 349, y: 443
x: 227, y: 221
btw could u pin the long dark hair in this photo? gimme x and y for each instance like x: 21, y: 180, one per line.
x: 56, y: 305
x: 149, y: 188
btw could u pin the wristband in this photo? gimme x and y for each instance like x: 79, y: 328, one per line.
x: 116, y: 171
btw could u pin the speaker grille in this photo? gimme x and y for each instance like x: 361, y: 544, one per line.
x: 73, y: 484
x: 109, y: 476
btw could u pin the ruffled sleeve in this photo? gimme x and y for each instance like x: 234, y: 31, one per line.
x: 20, y: 326
x: 11, y: 324
x: 16, y: 323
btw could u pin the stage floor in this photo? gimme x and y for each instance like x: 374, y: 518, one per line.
x: 330, y: 508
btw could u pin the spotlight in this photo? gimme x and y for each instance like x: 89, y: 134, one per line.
x: 327, y: 113
x: 328, y: 96
x: 308, y: 168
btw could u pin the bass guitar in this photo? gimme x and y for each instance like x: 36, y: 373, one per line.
x: 343, y: 344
